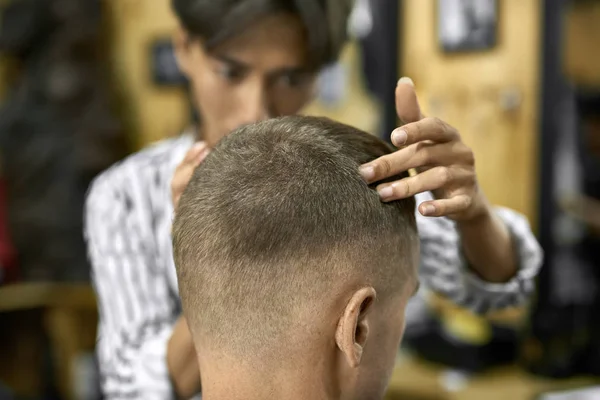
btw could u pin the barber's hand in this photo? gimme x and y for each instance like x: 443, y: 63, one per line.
x: 182, y: 362
x: 185, y: 170
x: 444, y: 164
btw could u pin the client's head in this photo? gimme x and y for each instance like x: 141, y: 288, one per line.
x: 290, y: 266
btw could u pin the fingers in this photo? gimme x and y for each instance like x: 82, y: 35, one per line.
x: 433, y: 129
x: 391, y: 164
x: 446, y: 207
x: 203, y: 154
x: 407, y: 103
x: 419, y: 155
x: 185, y: 170
x: 196, y: 153
x: 432, y: 179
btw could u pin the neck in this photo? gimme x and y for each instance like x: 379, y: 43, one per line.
x: 304, y: 380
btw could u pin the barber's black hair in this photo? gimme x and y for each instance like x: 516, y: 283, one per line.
x: 218, y: 20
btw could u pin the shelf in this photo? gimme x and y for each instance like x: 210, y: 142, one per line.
x: 26, y: 296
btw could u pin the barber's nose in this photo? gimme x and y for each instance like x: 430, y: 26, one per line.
x: 255, y: 104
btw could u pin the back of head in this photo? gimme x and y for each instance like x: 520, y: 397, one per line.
x: 276, y: 222
x: 216, y: 21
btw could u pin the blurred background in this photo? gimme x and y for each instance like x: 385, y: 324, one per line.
x: 83, y: 83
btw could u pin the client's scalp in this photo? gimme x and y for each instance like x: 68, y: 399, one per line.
x: 277, y: 217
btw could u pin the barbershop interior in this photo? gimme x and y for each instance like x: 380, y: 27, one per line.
x: 101, y: 102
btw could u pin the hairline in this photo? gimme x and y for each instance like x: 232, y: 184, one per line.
x: 228, y: 33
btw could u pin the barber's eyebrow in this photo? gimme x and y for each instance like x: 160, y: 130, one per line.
x: 244, y: 66
x: 417, y: 286
x: 228, y: 60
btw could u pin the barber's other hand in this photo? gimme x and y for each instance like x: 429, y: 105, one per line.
x: 185, y: 170
x: 444, y: 164
x: 182, y: 362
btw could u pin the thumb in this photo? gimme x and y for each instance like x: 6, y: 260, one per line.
x: 407, y: 104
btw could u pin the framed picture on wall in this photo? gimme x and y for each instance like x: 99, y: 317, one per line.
x: 467, y: 25
x: 163, y: 64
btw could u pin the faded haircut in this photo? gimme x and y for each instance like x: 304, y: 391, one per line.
x: 216, y: 21
x: 277, y: 218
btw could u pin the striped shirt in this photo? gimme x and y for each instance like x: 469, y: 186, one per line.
x: 128, y: 231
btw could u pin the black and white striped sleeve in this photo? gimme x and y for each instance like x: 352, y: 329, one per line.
x: 136, y: 314
x: 445, y: 271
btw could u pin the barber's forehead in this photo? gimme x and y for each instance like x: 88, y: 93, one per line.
x: 277, y: 39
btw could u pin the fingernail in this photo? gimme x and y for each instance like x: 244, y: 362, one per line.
x: 199, y: 146
x: 201, y: 156
x: 367, y: 172
x: 428, y: 209
x: 386, y: 192
x: 406, y: 80
x: 399, y: 137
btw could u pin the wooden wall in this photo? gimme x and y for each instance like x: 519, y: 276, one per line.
x: 473, y: 92
x: 581, y: 46
x: 134, y: 24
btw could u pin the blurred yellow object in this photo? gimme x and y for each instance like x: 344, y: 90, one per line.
x: 510, y: 317
x: 471, y: 328
x: 467, y: 327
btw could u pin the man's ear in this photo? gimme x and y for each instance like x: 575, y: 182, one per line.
x: 352, y: 331
x: 182, y: 42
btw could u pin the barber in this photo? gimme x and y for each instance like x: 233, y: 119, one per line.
x: 246, y: 61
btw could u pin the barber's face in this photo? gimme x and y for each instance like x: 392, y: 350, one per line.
x: 259, y: 74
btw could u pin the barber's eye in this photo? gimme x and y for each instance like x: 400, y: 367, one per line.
x: 292, y: 80
x: 231, y: 73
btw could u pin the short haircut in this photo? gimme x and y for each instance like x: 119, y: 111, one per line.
x: 215, y: 21
x: 277, y: 217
